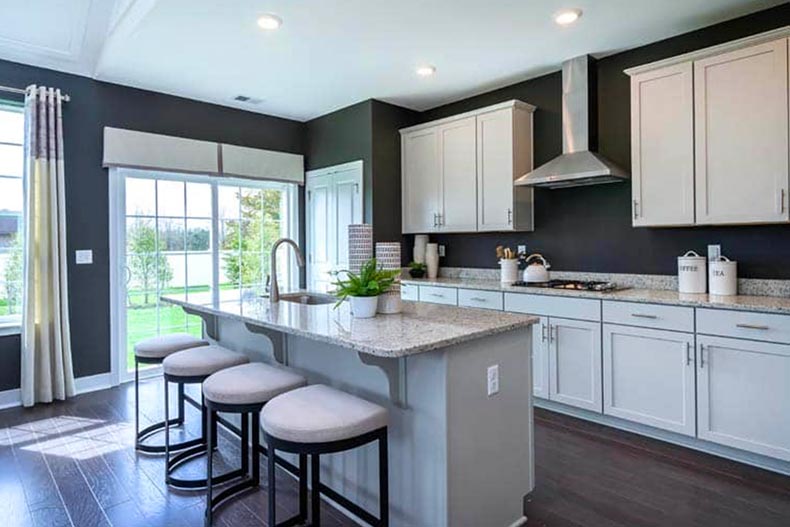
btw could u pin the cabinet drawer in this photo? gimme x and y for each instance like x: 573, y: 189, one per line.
x: 439, y: 295
x: 554, y: 306
x: 744, y: 325
x: 409, y: 292
x: 482, y: 299
x: 649, y: 315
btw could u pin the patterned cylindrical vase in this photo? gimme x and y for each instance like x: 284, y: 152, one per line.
x: 360, y: 245
x: 388, y: 258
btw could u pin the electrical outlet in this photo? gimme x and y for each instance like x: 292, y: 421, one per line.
x: 522, y: 249
x: 714, y: 251
x: 492, y: 377
x: 84, y: 256
x: 441, y: 251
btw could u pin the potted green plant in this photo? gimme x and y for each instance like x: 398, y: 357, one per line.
x: 417, y: 269
x: 363, y: 289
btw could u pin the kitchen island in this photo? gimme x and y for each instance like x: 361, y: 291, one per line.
x: 459, y: 455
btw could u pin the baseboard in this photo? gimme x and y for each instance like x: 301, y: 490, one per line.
x: 91, y: 383
x: 10, y: 398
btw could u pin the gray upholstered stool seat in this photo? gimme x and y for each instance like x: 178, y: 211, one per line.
x: 202, y: 361
x: 320, y: 414
x: 250, y: 384
x: 161, y: 346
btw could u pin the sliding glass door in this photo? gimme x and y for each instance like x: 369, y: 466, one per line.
x: 205, y: 238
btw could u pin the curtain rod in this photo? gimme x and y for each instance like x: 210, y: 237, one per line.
x: 63, y: 96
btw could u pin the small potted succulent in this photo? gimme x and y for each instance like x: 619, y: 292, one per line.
x: 417, y: 269
x: 363, y: 289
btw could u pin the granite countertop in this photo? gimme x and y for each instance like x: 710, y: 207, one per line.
x: 764, y: 304
x: 419, y: 328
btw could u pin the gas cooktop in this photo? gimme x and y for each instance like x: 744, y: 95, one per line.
x: 574, y: 285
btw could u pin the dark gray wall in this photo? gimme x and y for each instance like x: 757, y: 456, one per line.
x: 93, y: 106
x: 589, y: 228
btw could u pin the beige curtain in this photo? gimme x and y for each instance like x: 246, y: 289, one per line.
x: 46, y: 340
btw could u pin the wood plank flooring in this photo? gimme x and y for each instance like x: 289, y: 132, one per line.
x: 73, y: 464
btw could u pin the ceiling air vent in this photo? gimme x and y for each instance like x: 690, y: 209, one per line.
x: 247, y: 99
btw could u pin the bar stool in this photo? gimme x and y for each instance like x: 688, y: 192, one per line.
x: 244, y: 390
x: 318, y: 420
x: 193, y: 366
x: 153, y: 350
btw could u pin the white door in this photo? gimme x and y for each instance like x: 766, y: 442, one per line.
x: 741, y: 135
x: 575, y: 363
x: 662, y: 146
x: 420, y: 181
x: 495, y: 170
x: 648, y: 377
x: 458, y: 168
x: 540, y: 358
x: 334, y: 201
x: 743, y: 394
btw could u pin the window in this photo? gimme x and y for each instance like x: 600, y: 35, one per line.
x: 198, y: 236
x: 12, y: 131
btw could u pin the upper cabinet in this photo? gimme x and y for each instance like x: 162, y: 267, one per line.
x: 709, y: 136
x: 458, y: 173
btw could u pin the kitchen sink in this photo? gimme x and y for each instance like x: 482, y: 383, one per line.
x: 310, y: 299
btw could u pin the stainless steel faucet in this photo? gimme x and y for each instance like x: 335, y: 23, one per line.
x: 274, y: 291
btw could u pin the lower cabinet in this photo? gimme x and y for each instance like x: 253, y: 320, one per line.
x: 743, y: 394
x: 648, y: 377
x: 540, y: 358
x: 575, y: 363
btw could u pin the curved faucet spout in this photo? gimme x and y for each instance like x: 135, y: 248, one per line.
x: 274, y: 292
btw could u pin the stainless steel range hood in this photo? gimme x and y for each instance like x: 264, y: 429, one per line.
x: 578, y: 165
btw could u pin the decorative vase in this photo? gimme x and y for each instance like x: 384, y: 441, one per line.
x: 420, y: 241
x: 432, y: 259
x: 364, y: 306
x: 388, y: 258
x: 360, y: 245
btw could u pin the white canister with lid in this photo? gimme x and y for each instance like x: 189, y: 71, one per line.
x: 723, y: 276
x: 692, y: 275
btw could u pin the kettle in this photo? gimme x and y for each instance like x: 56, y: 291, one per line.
x: 537, y: 271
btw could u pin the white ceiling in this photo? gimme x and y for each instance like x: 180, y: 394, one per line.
x: 333, y: 53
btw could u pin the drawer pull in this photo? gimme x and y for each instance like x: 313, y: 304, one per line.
x: 642, y: 315
x: 437, y: 295
x: 477, y: 299
x: 752, y: 326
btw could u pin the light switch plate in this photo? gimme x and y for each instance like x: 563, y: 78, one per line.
x: 714, y: 251
x: 441, y: 251
x: 83, y: 256
x: 521, y: 249
x: 492, y: 380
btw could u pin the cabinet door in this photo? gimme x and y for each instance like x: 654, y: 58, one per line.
x: 540, y: 358
x: 648, y: 377
x: 575, y: 363
x: 458, y: 176
x: 743, y: 394
x: 420, y: 181
x: 495, y: 170
x: 741, y: 135
x: 320, y: 243
x: 662, y: 147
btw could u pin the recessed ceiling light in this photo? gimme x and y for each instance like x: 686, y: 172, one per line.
x: 270, y: 22
x: 567, y: 17
x: 426, y: 71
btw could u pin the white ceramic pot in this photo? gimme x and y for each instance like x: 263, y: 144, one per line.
x: 364, y: 306
x: 509, y: 272
x: 692, y: 273
x: 723, y: 277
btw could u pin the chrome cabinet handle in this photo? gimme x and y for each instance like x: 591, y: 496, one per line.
x: 509, y: 217
x: 752, y: 326
x: 642, y: 315
x: 552, y: 333
x: 441, y: 219
x: 435, y: 220
x: 701, y: 356
x: 543, y: 336
x: 781, y: 200
x: 437, y: 295
x: 688, y: 353
x: 636, y: 209
x: 477, y: 299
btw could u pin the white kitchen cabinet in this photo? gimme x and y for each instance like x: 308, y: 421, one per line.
x: 662, y: 146
x: 743, y: 394
x: 421, y: 185
x: 741, y: 135
x: 458, y: 172
x: 458, y: 206
x: 648, y: 377
x: 575, y: 363
x: 540, y: 358
x: 504, y: 153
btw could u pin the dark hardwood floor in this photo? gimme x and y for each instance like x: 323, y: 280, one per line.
x: 73, y: 464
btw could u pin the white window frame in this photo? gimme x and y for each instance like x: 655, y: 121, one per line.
x: 117, y: 202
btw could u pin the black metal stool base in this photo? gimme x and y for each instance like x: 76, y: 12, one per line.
x: 315, y: 450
